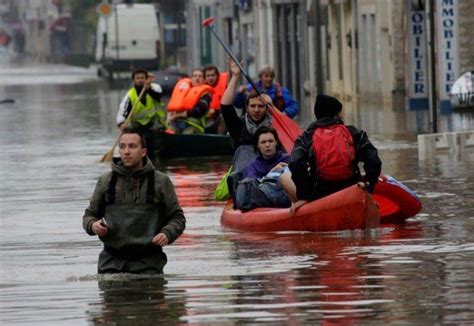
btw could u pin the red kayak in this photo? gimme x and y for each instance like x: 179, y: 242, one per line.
x: 396, y: 201
x: 348, y: 209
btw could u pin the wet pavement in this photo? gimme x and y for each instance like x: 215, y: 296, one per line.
x: 61, y: 124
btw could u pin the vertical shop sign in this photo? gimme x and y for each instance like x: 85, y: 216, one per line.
x: 417, y: 60
x: 447, y: 18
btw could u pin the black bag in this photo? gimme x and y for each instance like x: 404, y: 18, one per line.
x: 254, y: 193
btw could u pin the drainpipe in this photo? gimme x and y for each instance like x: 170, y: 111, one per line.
x: 355, y: 52
x: 116, y: 34
x: 432, y: 62
x: 317, y: 41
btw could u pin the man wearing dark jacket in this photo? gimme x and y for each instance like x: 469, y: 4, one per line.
x: 242, y: 129
x: 256, y: 115
x: 309, y: 185
x: 134, y: 211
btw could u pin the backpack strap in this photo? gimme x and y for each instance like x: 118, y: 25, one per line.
x: 111, y: 190
x: 150, y: 191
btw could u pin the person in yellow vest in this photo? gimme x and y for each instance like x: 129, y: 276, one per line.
x: 150, y: 113
x: 189, y: 104
x: 218, y: 81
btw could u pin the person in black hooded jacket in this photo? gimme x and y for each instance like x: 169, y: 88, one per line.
x: 309, y: 186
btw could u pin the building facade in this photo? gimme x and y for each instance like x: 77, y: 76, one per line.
x: 371, y: 54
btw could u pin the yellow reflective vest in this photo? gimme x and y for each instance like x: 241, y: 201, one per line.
x: 145, y: 114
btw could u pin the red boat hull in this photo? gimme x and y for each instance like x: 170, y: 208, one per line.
x: 396, y: 201
x: 349, y: 209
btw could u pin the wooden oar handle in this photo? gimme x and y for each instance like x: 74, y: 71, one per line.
x: 208, y: 22
x: 127, y: 121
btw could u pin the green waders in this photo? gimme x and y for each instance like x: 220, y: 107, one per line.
x: 127, y: 245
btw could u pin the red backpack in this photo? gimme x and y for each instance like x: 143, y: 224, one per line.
x: 335, y: 153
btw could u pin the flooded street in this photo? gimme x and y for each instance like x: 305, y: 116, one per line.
x: 63, y: 121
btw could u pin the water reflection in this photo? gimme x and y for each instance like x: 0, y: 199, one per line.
x: 195, y: 178
x: 325, y: 287
x: 301, y: 278
x: 128, y: 300
x: 391, y: 118
x: 52, y: 138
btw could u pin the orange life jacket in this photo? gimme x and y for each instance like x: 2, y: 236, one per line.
x: 219, y: 89
x: 185, y: 96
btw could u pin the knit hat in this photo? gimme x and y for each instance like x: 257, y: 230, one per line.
x: 326, y: 106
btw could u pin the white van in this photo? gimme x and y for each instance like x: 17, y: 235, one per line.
x: 134, y: 43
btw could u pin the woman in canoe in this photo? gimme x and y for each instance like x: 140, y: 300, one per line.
x: 260, y: 185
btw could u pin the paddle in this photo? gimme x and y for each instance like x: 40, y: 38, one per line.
x: 287, y: 129
x: 110, y: 154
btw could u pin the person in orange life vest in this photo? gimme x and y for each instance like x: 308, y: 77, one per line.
x: 189, y: 104
x: 281, y: 96
x: 325, y: 157
x: 218, y: 81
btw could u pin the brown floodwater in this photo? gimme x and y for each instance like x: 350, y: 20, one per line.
x: 60, y: 125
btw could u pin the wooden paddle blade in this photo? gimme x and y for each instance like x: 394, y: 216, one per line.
x: 288, y: 130
x: 108, y: 156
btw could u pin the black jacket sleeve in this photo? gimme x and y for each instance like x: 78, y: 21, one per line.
x: 232, y: 121
x: 366, y: 153
x: 201, y: 108
x: 155, y: 92
x: 302, y: 167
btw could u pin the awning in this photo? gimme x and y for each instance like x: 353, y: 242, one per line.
x: 60, y: 24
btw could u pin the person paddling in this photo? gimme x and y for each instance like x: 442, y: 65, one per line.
x: 135, y: 212
x: 325, y: 158
x: 149, y: 114
x: 242, y: 129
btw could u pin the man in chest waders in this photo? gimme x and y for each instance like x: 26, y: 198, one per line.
x: 135, y: 212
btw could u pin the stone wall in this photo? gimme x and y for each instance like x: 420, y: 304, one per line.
x: 466, y: 35
x: 398, y: 35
